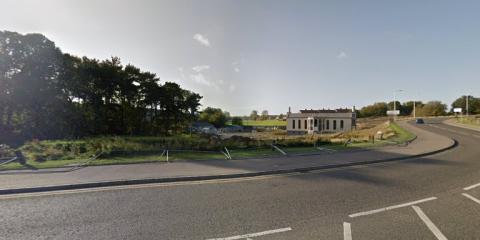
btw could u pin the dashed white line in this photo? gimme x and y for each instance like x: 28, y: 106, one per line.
x: 429, y: 223
x: 472, y: 187
x: 251, y: 235
x: 347, y: 231
x: 391, y: 207
x: 471, y: 197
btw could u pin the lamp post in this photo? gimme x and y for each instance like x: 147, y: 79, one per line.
x: 414, y: 113
x: 466, y: 107
x: 415, y: 106
x: 395, y: 103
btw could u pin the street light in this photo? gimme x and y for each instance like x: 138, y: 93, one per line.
x: 414, y: 106
x: 395, y: 103
x: 414, y: 111
x: 466, y: 107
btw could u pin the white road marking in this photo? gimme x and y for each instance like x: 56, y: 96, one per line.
x: 250, y: 235
x: 472, y: 187
x: 347, y: 231
x: 391, y: 207
x: 141, y: 186
x: 471, y: 197
x: 457, y: 132
x: 429, y: 223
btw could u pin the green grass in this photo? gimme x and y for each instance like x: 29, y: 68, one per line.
x: 401, y: 135
x: 265, y: 123
x: 40, y: 165
x: 472, y: 121
x: 117, y: 159
x: 142, y: 156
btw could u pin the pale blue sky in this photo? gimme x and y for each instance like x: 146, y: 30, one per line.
x: 254, y: 54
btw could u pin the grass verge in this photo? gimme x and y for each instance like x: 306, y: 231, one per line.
x: 401, y: 135
x: 471, y: 121
x: 131, y: 157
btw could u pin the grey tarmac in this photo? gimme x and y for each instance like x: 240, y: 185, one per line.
x: 312, y: 205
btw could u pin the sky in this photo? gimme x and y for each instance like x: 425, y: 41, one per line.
x: 273, y: 54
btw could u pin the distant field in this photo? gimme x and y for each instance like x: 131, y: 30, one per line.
x: 474, y: 121
x: 264, y: 123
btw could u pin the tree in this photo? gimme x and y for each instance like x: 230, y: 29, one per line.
x: 30, y: 67
x: 254, y: 115
x: 214, y: 116
x: 227, y: 114
x: 473, y: 104
x: 376, y: 110
x: 46, y: 94
x: 192, y: 103
x: 237, y: 121
x: 264, y: 115
x: 398, y: 106
x: 407, y: 107
x: 433, y: 108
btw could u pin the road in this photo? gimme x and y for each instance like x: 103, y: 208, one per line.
x: 422, y: 198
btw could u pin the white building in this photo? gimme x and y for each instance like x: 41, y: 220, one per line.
x: 321, y: 121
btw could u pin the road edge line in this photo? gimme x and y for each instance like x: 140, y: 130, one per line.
x: 52, y: 188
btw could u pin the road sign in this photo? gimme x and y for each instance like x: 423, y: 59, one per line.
x: 457, y: 110
x: 393, y: 113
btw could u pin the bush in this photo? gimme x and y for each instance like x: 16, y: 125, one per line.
x: 6, y: 151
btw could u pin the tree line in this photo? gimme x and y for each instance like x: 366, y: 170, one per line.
x: 47, y: 94
x: 431, y: 108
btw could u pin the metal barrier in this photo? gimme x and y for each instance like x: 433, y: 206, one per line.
x: 9, y: 161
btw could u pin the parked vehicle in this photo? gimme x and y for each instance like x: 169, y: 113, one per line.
x: 419, y: 121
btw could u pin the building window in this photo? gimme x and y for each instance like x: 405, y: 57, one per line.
x: 334, y: 124
x: 315, y: 123
x: 341, y: 124
x: 328, y: 124
x: 311, y: 124
x: 299, y: 124
x: 305, y: 124
x: 293, y: 124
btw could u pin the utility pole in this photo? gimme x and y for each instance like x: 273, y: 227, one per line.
x: 466, y: 109
x: 395, y: 103
x: 414, y: 113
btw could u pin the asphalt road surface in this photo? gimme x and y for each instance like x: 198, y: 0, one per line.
x: 427, y: 198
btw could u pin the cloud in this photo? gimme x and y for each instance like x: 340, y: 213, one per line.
x: 200, y: 68
x: 235, y: 66
x: 200, y: 75
x: 200, y: 79
x: 201, y: 39
x: 342, y: 55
